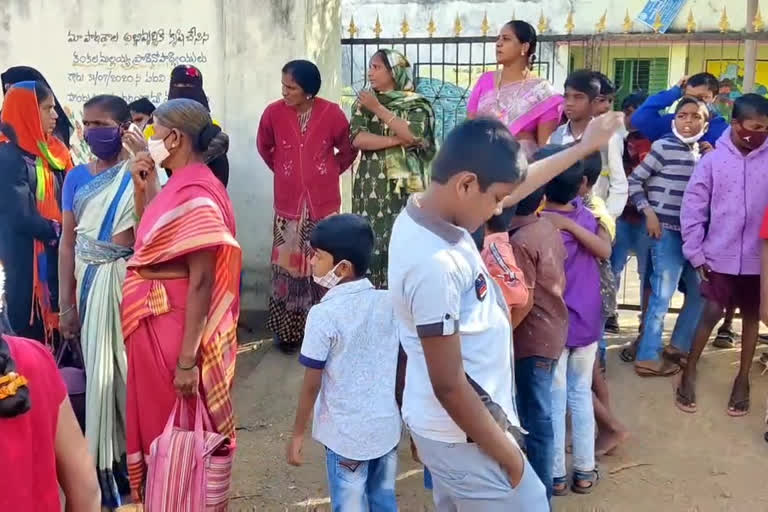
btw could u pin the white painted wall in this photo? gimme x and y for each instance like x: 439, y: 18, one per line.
x: 471, y: 12
x: 240, y: 47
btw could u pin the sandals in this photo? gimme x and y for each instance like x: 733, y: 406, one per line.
x: 738, y: 409
x: 675, y: 355
x: 726, y: 338
x: 591, y: 477
x: 662, y: 369
x: 560, y: 486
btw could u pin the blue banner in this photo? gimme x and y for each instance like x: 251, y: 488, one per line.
x: 669, y: 9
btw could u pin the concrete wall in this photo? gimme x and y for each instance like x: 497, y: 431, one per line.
x: 240, y: 46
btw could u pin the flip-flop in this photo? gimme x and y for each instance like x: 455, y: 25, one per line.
x: 627, y: 355
x: 738, y: 409
x: 683, y: 402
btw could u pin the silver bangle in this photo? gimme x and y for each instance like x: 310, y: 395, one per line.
x: 66, y: 311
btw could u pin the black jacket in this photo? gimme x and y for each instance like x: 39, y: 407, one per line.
x: 20, y: 225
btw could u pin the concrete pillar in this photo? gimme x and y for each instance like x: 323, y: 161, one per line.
x: 750, y: 49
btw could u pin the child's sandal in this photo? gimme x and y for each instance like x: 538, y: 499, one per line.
x: 560, y: 486
x: 592, y: 477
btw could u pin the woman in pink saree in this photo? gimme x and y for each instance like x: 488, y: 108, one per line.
x: 181, y: 293
x: 528, y: 106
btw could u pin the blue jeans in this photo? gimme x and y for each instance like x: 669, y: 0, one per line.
x: 533, y: 377
x: 362, y: 485
x: 630, y: 238
x: 669, y: 267
x: 572, y: 386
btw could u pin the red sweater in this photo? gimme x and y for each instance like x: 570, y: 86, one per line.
x: 305, y: 166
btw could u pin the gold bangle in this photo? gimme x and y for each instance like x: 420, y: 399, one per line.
x: 394, y: 116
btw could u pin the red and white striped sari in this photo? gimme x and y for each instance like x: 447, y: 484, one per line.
x: 192, y: 213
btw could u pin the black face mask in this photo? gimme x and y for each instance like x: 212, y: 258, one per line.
x: 191, y: 93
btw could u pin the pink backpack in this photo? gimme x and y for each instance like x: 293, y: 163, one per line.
x: 188, y: 470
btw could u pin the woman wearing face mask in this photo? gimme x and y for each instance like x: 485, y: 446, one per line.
x: 97, y: 238
x: 394, y: 128
x: 33, y: 163
x: 529, y: 106
x: 298, y: 138
x: 656, y: 188
x: 181, y: 294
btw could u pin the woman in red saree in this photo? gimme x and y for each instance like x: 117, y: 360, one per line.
x: 180, y: 298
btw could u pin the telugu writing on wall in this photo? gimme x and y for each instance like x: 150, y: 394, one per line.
x: 131, y: 64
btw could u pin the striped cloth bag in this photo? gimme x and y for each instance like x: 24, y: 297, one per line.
x: 188, y: 470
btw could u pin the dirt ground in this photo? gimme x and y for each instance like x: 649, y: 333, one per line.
x: 673, y: 461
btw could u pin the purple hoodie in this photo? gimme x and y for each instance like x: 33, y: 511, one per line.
x: 723, y: 209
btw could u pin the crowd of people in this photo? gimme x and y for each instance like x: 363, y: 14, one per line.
x: 483, y: 275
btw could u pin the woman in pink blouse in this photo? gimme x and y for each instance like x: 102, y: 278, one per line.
x: 527, y: 105
x: 304, y: 140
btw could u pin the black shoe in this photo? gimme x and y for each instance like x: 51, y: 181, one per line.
x: 726, y: 338
x: 612, y: 324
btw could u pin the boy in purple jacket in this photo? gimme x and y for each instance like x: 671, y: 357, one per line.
x: 584, y: 242
x: 729, y: 186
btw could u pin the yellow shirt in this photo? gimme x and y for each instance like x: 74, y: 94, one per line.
x: 597, y: 206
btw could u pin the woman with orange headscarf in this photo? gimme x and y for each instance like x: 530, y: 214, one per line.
x: 32, y: 167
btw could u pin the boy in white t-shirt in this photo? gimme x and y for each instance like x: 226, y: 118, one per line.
x: 350, y: 352
x: 454, y: 324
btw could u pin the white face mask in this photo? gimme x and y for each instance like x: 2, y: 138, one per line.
x: 330, y: 279
x: 158, y: 151
x: 692, y: 138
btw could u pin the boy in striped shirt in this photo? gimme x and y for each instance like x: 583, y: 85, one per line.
x: 656, y: 188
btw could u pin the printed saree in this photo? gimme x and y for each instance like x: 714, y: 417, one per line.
x: 192, y: 213
x: 386, y: 178
x: 103, y: 208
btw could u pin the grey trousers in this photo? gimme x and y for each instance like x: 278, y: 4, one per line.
x: 466, y: 480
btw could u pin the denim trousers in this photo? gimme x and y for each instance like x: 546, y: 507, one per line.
x: 669, y: 267
x: 362, y: 485
x: 572, y: 388
x: 533, y: 377
x: 631, y: 238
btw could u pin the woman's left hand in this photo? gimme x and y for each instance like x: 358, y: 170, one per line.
x: 186, y: 381
x: 368, y: 100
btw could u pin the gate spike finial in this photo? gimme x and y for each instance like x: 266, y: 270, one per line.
x: 485, y: 27
x: 543, y: 24
x: 724, y: 24
x: 657, y: 24
x: 628, y: 25
x: 758, y: 23
x: 431, y: 26
x: 377, y: 28
x: 569, y: 25
x: 405, y: 27
x: 602, y: 23
x: 690, y: 26
x: 457, y: 26
x: 352, y: 29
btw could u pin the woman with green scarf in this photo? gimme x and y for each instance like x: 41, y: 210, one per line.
x: 394, y: 128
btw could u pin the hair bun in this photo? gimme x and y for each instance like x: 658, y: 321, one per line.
x: 531, y: 60
x: 207, y: 134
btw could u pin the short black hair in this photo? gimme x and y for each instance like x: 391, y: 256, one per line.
x: 485, y: 147
x: 749, y: 106
x: 690, y: 100
x: 500, y: 223
x: 345, y: 236
x: 115, y: 106
x: 142, y: 106
x: 606, y: 85
x: 584, y: 81
x: 593, y: 166
x: 564, y: 187
x: 305, y: 74
x: 634, y: 100
x: 531, y: 203
x: 708, y: 79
